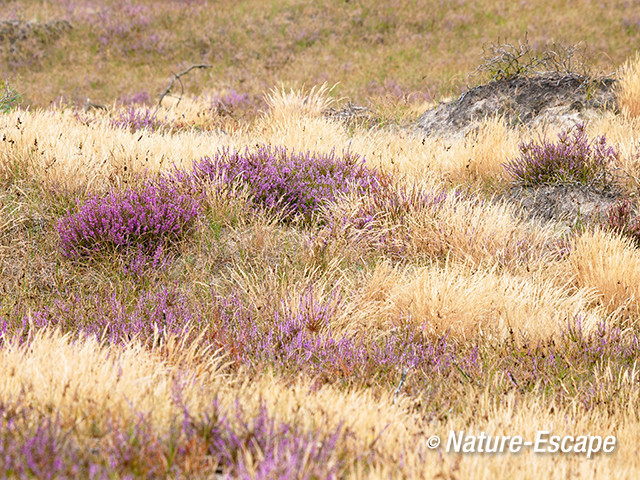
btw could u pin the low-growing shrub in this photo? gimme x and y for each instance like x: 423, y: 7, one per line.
x: 137, y: 221
x: 298, y: 338
x: 295, y: 184
x: 118, y: 319
x: 242, y: 445
x: 135, y: 118
x: 572, y: 159
x: 621, y: 219
x: 506, y: 61
x: 139, y: 98
x: 232, y: 102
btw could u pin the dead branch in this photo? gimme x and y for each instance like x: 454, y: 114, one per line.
x: 176, y: 76
x: 402, y: 379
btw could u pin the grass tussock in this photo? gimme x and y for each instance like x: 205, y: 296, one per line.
x: 429, y: 221
x: 608, y: 264
x: 58, y: 150
x: 628, y: 88
x: 465, y: 303
x: 85, y: 379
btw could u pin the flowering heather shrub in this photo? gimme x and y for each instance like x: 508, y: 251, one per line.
x: 141, y: 220
x: 33, y: 445
x: 140, y: 98
x: 302, y: 340
x: 274, y: 449
x: 296, y: 184
x: 575, y: 352
x: 572, y: 159
x: 134, y: 119
x: 295, y: 340
x: 40, y: 450
x: 168, y: 311
x: 232, y: 100
x: 620, y: 218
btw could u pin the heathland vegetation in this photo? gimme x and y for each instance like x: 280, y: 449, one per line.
x: 258, y: 279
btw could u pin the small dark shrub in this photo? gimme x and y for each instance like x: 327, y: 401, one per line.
x: 140, y: 220
x: 507, y: 61
x: 572, y: 159
x: 296, y: 184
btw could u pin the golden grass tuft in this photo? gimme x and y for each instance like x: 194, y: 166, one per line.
x: 464, y: 226
x: 475, y: 158
x: 284, y: 103
x: 469, y: 303
x: 84, y: 377
x: 479, y: 156
x: 628, y: 87
x: 610, y: 266
x: 480, y: 232
x: 54, y: 148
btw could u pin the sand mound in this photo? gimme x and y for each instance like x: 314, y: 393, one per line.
x: 549, y: 98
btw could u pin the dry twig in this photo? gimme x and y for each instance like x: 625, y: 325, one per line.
x: 176, y: 76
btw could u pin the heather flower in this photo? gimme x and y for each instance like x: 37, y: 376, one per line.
x: 134, y: 119
x: 302, y: 339
x: 37, y: 447
x: 274, y: 449
x: 572, y: 159
x: 297, y: 337
x: 118, y: 319
x: 621, y: 219
x: 34, y: 445
x: 231, y: 100
x: 138, y: 220
x: 295, y: 184
x: 140, y: 98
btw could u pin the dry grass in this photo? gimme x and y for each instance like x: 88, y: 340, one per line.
x: 472, y: 268
x: 468, y: 303
x: 628, y: 88
x: 87, y: 381
x: 437, y: 222
x: 57, y: 149
x: 520, y: 320
x: 610, y: 266
x: 90, y: 379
